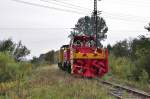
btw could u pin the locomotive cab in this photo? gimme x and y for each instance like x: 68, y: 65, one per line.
x: 83, y: 41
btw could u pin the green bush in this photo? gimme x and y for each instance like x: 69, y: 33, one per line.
x: 124, y: 68
x: 10, y: 69
x: 121, y: 66
x: 144, y: 78
x: 142, y: 68
x: 25, y: 68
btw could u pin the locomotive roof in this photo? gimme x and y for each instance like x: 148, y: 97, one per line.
x: 84, y: 37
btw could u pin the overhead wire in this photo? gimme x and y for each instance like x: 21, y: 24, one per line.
x: 133, y: 3
x: 45, y: 6
x: 138, y: 2
x: 67, y: 29
x: 125, y: 15
x: 68, y: 5
x: 34, y: 28
x: 108, y: 15
x: 126, y: 20
x: 130, y: 19
x: 119, y: 15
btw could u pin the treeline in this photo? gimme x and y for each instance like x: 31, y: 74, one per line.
x: 17, y: 50
x: 130, y: 59
x: 50, y: 57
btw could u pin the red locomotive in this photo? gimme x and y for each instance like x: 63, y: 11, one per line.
x: 82, y: 57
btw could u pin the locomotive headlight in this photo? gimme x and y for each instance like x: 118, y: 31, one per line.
x: 95, y: 54
x: 75, y: 50
x: 84, y: 55
x: 99, y: 51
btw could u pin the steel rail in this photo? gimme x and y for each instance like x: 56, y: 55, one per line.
x: 117, y: 91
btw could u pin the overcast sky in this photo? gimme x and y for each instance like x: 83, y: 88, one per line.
x: 42, y: 28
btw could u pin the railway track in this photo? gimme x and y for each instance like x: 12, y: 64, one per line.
x: 124, y: 92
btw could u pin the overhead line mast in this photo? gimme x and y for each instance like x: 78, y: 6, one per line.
x: 95, y: 19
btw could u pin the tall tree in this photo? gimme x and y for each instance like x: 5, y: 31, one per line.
x: 18, y: 51
x: 7, y: 45
x: 121, y: 49
x: 86, y: 26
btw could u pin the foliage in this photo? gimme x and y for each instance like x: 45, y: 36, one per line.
x: 51, y: 83
x: 86, y: 26
x: 10, y: 69
x: 141, y: 54
x: 50, y: 57
x: 121, y: 66
x: 142, y: 64
x: 18, y: 51
x: 48, y: 82
x: 34, y: 59
x: 7, y: 45
x: 144, y: 77
x: 121, y: 49
x: 13, y: 75
x: 140, y: 47
x: 133, y: 56
x: 5, y: 86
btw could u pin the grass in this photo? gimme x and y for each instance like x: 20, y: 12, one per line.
x: 48, y: 82
x: 55, y: 84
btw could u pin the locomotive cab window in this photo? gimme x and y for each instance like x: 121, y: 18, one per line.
x: 78, y: 43
x: 82, y: 41
x: 90, y: 43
